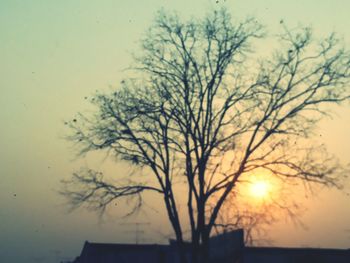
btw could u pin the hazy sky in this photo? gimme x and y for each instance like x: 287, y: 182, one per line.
x: 53, y: 54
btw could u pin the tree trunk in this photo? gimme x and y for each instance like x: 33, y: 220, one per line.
x: 195, y: 247
x: 204, y: 248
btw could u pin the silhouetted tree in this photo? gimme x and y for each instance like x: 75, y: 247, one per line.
x: 201, y: 112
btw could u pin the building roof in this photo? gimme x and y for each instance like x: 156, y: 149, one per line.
x: 225, y: 248
x: 106, y: 253
x: 295, y: 255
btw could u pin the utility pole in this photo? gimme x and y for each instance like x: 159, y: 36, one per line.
x: 138, y: 231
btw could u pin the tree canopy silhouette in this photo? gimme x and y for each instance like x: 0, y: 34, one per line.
x: 203, y: 112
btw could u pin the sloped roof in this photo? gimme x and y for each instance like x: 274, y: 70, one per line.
x: 120, y: 253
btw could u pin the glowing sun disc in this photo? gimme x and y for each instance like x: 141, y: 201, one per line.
x: 259, y: 189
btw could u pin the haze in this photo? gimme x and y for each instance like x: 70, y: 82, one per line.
x: 55, y: 53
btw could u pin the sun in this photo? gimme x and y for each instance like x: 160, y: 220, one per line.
x: 260, y: 189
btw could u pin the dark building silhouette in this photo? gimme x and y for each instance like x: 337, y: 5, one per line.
x: 225, y: 248
x: 115, y: 253
x: 294, y: 255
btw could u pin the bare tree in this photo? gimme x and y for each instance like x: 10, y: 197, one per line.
x: 201, y: 111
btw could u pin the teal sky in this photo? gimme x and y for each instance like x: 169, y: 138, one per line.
x: 53, y: 54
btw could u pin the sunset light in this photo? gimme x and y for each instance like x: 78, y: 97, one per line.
x: 260, y: 189
x: 175, y: 131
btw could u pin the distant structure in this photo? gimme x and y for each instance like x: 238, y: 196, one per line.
x: 225, y: 248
